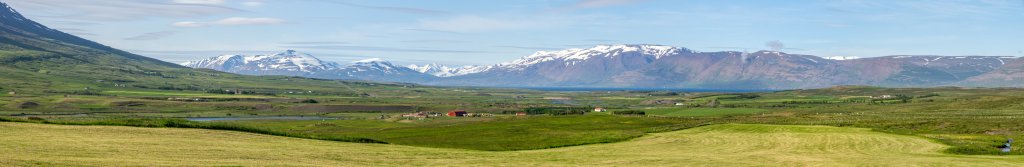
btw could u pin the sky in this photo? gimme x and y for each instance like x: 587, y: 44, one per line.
x: 483, y: 32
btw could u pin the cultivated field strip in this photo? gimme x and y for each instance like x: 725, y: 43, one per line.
x: 721, y: 145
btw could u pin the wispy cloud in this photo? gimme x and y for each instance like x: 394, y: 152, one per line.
x: 252, y: 3
x: 429, y: 30
x: 118, y: 10
x: 603, y: 3
x: 77, y: 31
x: 433, y: 41
x: 590, y: 4
x: 410, y: 10
x: 191, y: 24
x: 151, y: 35
x: 230, y: 21
x: 378, y: 48
x: 317, y: 43
x: 249, y: 21
x: 474, y: 23
x: 533, y: 48
x: 206, y: 2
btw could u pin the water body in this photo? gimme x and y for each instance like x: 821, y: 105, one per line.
x: 205, y: 119
x: 579, y: 89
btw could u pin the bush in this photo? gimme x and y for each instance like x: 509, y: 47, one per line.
x: 630, y: 112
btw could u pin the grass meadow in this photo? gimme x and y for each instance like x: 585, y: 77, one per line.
x: 722, y: 145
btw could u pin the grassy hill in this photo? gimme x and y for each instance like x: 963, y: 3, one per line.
x: 35, y: 59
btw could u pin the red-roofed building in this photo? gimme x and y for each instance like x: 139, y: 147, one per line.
x: 457, y: 113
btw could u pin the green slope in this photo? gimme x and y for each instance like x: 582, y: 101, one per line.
x: 35, y: 59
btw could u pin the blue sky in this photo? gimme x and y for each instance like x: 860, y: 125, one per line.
x: 464, y: 32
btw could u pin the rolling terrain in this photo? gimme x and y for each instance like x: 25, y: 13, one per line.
x: 721, y: 145
x: 68, y: 101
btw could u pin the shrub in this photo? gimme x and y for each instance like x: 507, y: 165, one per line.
x: 630, y: 112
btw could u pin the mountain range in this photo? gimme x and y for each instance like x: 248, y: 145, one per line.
x: 35, y: 57
x: 658, y: 66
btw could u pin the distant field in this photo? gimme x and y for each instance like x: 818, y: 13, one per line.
x: 701, y: 112
x: 496, y: 134
x: 721, y: 145
x: 179, y: 94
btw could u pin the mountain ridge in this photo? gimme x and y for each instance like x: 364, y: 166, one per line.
x: 646, y: 65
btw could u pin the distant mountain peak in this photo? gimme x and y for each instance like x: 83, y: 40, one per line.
x: 289, y: 60
x: 447, y: 71
x: 599, y: 51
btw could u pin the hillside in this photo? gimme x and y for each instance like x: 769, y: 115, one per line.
x: 38, y: 59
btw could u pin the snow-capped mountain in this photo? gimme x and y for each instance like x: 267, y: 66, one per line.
x: 446, y: 71
x: 577, y: 55
x: 377, y: 69
x: 293, y: 63
x: 285, y: 63
x: 653, y: 66
x: 673, y: 67
x: 842, y: 57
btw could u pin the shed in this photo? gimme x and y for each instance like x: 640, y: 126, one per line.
x: 599, y: 109
x: 457, y: 113
x: 520, y: 113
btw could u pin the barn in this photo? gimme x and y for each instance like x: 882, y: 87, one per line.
x: 457, y: 113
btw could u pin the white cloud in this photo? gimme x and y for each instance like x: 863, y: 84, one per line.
x: 205, y: 2
x: 151, y: 36
x: 603, y: 3
x: 248, y: 21
x: 190, y: 24
x: 115, y: 10
x: 230, y: 22
x: 472, y: 23
x: 252, y: 3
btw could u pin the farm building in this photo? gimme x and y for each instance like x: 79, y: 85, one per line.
x: 883, y: 97
x: 599, y: 109
x: 457, y: 113
x: 680, y: 104
x: 12, y: 93
x: 520, y: 113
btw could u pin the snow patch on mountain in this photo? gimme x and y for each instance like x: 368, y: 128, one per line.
x: 841, y: 57
x: 446, y: 71
x: 285, y: 61
x: 572, y: 56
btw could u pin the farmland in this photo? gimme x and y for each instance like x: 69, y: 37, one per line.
x: 729, y: 145
x: 960, y: 121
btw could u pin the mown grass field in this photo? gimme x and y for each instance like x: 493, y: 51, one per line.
x: 717, y: 145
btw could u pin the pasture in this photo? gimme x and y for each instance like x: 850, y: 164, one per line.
x: 722, y: 145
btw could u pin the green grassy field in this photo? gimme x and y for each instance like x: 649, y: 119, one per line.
x: 701, y: 112
x: 721, y: 145
x: 973, y: 121
x: 495, y: 134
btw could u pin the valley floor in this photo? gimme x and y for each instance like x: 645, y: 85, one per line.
x: 25, y: 144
